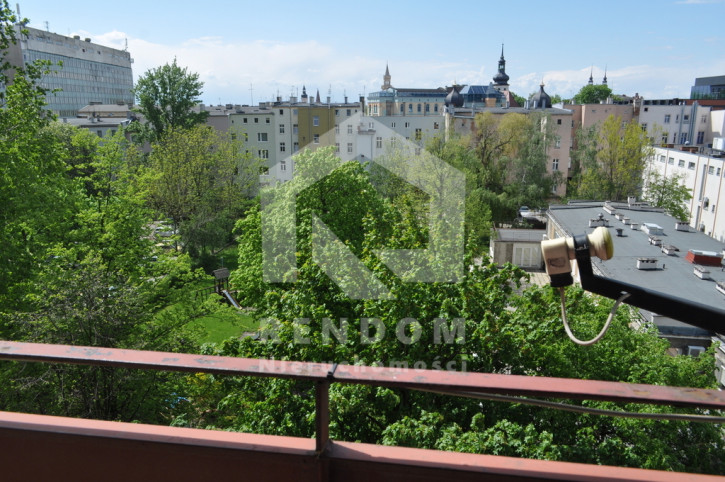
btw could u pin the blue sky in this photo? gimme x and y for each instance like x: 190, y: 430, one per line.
x: 246, y: 51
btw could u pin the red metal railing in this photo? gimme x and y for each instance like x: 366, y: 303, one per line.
x: 453, y: 383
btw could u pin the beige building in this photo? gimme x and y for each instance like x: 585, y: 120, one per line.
x: 461, y: 119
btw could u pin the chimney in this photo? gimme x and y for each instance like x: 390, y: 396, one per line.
x: 362, y: 104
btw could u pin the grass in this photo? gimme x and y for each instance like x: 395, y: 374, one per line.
x: 223, y: 325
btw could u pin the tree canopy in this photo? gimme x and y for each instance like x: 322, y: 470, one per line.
x: 592, y: 94
x: 166, y: 97
x: 609, y: 160
x: 489, y: 328
x: 668, y: 192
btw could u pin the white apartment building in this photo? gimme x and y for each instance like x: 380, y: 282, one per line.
x: 673, y: 122
x: 703, y: 175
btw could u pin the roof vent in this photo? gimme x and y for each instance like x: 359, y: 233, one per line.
x: 653, y: 229
x: 669, y: 249
x: 682, y: 226
x: 702, y: 272
x: 647, y: 264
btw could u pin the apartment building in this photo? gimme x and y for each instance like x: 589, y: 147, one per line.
x: 703, y: 175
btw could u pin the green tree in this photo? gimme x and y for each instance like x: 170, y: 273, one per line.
x: 592, y: 94
x: 36, y: 194
x: 616, y: 173
x: 668, y: 192
x: 503, y: 333
x: 201, y: 180
x: 166, y: 98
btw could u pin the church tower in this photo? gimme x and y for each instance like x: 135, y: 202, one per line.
x: 501, y: 80
x: 386, y: 79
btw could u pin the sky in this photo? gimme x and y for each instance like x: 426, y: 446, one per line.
x: 249, y: 52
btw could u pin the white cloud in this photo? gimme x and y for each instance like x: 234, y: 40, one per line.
x: 269, y: 68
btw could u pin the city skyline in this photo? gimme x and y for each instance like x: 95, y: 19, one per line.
x: 246, y: 53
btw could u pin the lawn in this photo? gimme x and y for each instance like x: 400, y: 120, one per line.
x: 223, y: 325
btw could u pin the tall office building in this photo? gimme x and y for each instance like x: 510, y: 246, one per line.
x: 90, y: 73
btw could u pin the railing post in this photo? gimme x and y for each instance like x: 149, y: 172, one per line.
x: 322, y: 414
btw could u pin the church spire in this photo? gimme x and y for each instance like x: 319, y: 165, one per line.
x: 604, y: 82
x: 591, y: 77
x: 386, y: 79
x: 501, y: 80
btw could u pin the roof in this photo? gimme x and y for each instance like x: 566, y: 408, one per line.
x: 677, y: 277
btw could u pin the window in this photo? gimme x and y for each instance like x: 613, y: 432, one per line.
x: 266, y: 120
x: 402, y: 108
x: 379, y: 142
x: 662, y: 158
x: 410, y: 108
x: 671, y: 161
x: 295, y: 147
x: 700, y: 137
x: 418, y: 134
x: 349, y: 147
x: 555, y: 165
x: 703, y: 119
x: 337, y: 148
x: 644, y: 126
x: 665, y: 135
x: 407, y: 124
x: 256, y: 120
x: 686, y: 119
x: 683, y: 137
x: 281, y: 128
x: 557, y: 142
x: 419, y: 108
x: 294, y: 129
x: 294, y: 111
x: 349, y: 112
x: 246, y: 137
x: 337, y: 112
x: 392, y: 124
x: 261, y: 137
x: 244, y: 120
x: 281, y: 112
x: 315, y: 120
x: 711, y: 170
x: 558, y: 122
x: 717, y: 172
x: 667, y: 118
x: 691, y: 166
x: 349, y: 128
x: 234, y: 136
x: 263, y: 154
x: 337, y: 128
x: 282, y: 147
x: 282, y: 165
x: 681, y: 163
x: 316, y: 138
x: 435, y: 108
x: 427, y: 107
x: 435, y: 125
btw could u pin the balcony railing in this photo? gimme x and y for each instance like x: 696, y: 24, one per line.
x: 39, y: 447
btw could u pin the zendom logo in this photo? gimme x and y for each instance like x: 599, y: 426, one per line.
x: 441, y: 261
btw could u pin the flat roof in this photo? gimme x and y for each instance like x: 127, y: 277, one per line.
x: 676, y: 279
